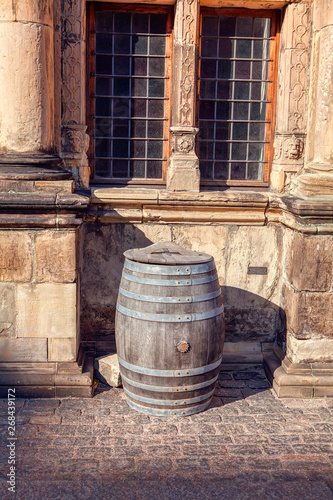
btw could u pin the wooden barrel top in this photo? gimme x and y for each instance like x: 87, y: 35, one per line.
x: 167, y: 252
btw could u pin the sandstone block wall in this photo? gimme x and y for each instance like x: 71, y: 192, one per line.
x: 307, y: 297
x: 38, y: 295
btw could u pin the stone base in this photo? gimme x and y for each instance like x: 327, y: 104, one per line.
x: 48, y: 380
x: 303, y: 380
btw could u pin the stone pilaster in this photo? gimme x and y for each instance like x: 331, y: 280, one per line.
x: 183, y: 170
x: 292, y: 91
x: 316, y: 179
x: 74, y: 140
x: 27, y: 82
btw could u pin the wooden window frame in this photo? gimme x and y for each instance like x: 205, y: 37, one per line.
x: 92, y: 8
x: 271, y: 89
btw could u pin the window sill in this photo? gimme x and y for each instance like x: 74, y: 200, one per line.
x: 128, y: 204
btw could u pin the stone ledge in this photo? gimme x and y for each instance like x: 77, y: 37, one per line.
x: 44, y: 200
x: 128, y: 204
x: 298, y: 381
x: 48, y: 380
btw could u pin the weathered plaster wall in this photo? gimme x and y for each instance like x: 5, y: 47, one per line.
x: 252, y: 301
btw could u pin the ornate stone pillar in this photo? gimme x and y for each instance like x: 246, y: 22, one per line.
x: 74, y: 139
x: 317, y: 177
x: 27, y: 83
x: 183, y: 170
x: 292, y: 94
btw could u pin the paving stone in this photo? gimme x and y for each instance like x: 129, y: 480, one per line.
x: 246, y: 449
x: 192, y: 464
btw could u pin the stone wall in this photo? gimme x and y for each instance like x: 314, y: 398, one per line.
x: 251, y: 301
x: 37, y: 295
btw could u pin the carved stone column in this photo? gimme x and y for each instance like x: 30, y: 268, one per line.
x: 317, y: 177
x: 74, y: 140
x: 292, y: 91
x: 183, y: 170
x: 27, y: 82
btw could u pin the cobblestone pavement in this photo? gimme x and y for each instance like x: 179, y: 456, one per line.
x: 247, y: 445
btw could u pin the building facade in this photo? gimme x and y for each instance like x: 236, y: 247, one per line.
x: 203, y: 123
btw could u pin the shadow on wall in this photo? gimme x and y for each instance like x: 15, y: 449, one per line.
x: 250, y: 318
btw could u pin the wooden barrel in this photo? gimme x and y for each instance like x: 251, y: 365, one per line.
x: 169, y: 329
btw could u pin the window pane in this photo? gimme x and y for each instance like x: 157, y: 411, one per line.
x: 206, y: 169
x: 244, y: 26
x: 209, y: 26
x: 208, y: 68
x: 239, y: 150
x: 154, y: 169
x: 155, y: 149
x: 140, y: 23
x: 256, y: 151
x: 156, y: 87
x: 255, y: 171
x: 238, y: 171
x: 156, y: 66
x: 104, y: 21
x: 239, y: 131
x: 122, y: 44
x: 257, y: 131
x: 158, y: 23
x: 209, y: 47
x: 121, y: 66
x: 206, y: 130
x: 103, y: 106
x: 139, y: 87
x: 227, y: 26
x: 104, y: 64
x: 139, y: 66
x: 207, y: 89
x: 258, y: 111
x: 122, y: 22
x: 121, y: 86
x: 104, y: 42
x: 139, y: 108
x: 138, y: 169
x: 222, y: 131
x: 242, y: 90
x: 243, y: 48
x: 243, y: 70
x: 138, y: 128
x: 157, y: 45
x: 241, y: 110
x: 102, y: 168
x: 120, y: 148
x: 102, y: 127
x: 221, y: 151
x: 221, y: 171
x: 120, y: 168
x: 261, y: 27
x: 155, y: 128
x: 102, y: 147
x: 226, y: 47
x: 120, y: 128
x: 140, y: 44
x: 155, y: 109
x: 224, y: 90
x: 121, y: 107
x: 104, y: 86
x: 137, y: 149
x: 225, y: 69
x: 223, y: 110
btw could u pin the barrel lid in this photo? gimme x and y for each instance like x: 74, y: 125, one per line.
x: 167, y: 252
